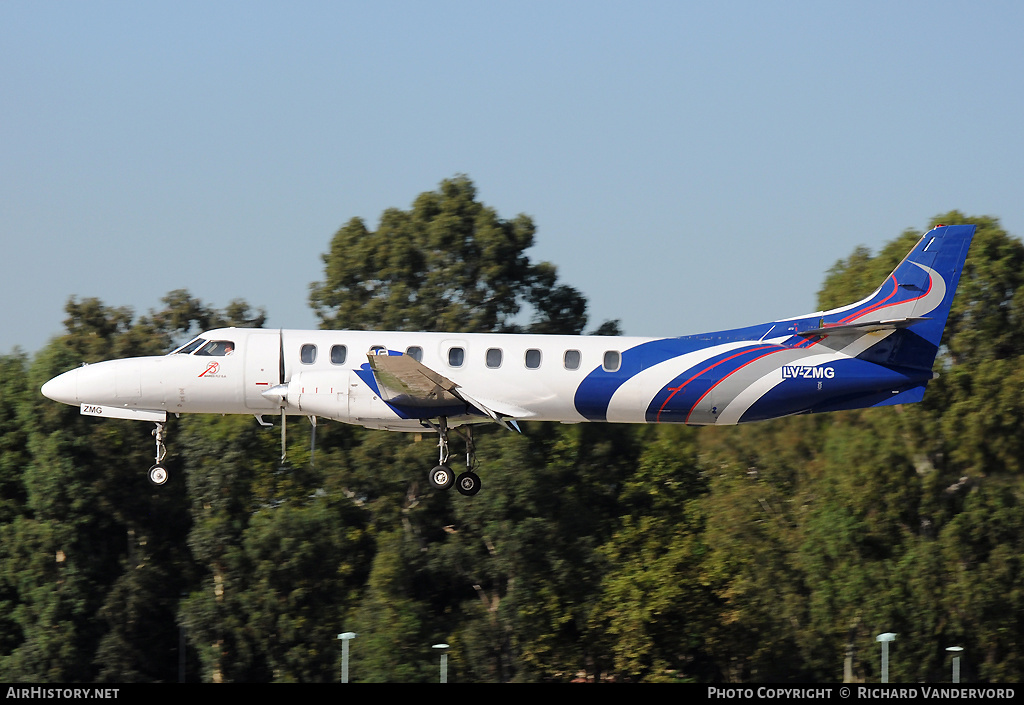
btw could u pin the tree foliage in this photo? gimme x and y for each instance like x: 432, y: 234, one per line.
x: 770, y: 552
x: 449, y: 263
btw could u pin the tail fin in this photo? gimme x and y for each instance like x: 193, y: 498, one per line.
x: 914, y: 301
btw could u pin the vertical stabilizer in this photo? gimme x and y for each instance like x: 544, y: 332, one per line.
x: 913, y: 302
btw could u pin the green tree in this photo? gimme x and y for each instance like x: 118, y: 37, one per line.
x: 480, y: 573
x: 308, y: 561
x: 654, y: 606
x: 885, y: 545
x: 450, y: 263
x: 764, y: 552
x: 92, y: 575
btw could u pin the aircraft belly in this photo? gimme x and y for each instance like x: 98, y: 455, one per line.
x: 529, y: 395
x: 833, y: 385
x: 551, y: 408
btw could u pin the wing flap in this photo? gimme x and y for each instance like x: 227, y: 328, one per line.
x: 502, y: 414
x: 404, y: 380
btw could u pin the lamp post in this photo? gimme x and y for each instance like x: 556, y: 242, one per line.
x: 443, y: 648
x: 885, y: 639
x: 955, y: 650
x: 345, y: 639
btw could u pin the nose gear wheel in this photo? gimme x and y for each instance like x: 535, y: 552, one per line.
x: 158, y: 474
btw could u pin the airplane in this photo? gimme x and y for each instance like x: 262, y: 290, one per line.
x: 877, y: 351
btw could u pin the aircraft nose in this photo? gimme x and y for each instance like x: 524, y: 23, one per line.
x: 63, y: 388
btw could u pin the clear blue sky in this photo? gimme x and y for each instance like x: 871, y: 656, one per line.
x: 689, y: 165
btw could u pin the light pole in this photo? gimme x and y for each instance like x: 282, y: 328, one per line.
x: 955, y: 650
x: 345, y: 639
x: 444, y: 660
x: 885, y: 639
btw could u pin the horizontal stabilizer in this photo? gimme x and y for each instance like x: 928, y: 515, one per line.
x: 863, y: 327
x: 907, y: 396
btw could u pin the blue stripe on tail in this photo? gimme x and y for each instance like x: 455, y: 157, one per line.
x: 921, y: 287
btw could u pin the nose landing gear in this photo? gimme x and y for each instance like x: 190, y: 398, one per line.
x: 158, y: 474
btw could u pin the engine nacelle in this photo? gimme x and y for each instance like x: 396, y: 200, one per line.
x: 316, y: 393
x: 342, y: 396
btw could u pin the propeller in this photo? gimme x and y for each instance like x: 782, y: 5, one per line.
x: 284, y: 397
x: 312, y: 440
x: 280, y: 356
x: 279, y: 392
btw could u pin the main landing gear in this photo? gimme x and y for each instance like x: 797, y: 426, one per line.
x: 158, y: 474
x: 442, y: 477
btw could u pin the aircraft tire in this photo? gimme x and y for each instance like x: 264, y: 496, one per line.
x: 441, y: 477
x: 158, y: 475
x: 468, y: 483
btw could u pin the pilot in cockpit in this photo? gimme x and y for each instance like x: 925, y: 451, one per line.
x: 205, y: 348
x: 217, y: 348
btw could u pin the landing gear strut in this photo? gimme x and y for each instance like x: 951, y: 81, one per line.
x: 441, y: 476
x: 158, y: 474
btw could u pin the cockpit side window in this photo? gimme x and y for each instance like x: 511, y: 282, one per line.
x: 190, y: 347
x: 217, y: 348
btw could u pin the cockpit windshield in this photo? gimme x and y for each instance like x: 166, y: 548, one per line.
x: 189, y: 347
x: 217, y: 348
x: 201, y: 346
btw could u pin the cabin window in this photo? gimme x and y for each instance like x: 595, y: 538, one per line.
x: 415, y: 352
x: 612, y: 361
x: 217, y: 348
x: 339, y: 353
x: 378, y: 350
x: 571, y: 359
x: 307, y: 354
x: 456, y: 357
x: 494, y: 356
x: 532, y: 359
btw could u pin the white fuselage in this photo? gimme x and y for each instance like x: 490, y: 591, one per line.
x: 524, y: 376
x: 722, y: 378
x: 875, y: 352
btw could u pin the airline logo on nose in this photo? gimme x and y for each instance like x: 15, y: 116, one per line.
x: 211, y: 370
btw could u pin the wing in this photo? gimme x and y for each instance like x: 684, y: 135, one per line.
x: 405, y: 381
